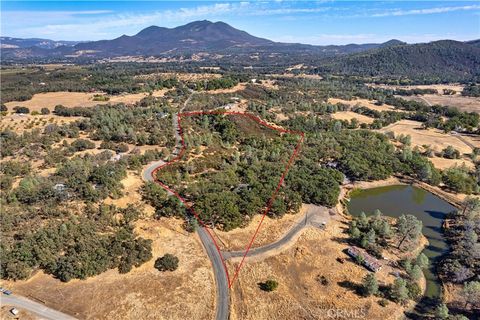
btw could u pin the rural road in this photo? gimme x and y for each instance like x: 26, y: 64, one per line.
x: 314, y: 216
x: 42, y: 311
x: 221, y: 281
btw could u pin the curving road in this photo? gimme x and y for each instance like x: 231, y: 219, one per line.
x: 221, y: 280
x: 38, y: 309
x: 315, y: 216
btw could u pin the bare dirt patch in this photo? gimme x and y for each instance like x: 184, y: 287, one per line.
x: 144, y: 293
x: 349, y: 115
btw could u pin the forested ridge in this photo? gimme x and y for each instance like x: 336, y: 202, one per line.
x: 447, y: 60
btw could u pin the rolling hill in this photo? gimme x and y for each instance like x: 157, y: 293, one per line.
x: 442, y: 59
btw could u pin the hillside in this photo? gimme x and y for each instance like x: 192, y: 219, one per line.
x: 446, y: 59
x: 16, y: 43
x: 194, y: 37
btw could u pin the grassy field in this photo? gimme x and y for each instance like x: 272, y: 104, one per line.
x: 349, y: 115
x: 468, y: 104
x: 363, y: 103
x: 77, y: 99
x: 437, y: 139
x: 300, y: 294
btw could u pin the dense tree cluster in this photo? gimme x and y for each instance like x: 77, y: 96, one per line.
x: 79, y: 247
x: 371, y: 233
x: 109, y: 78
x: 238, y: 174
x: 462, y: 263
x: 471, y: 90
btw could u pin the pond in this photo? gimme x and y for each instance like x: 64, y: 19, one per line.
x: 396, y: 200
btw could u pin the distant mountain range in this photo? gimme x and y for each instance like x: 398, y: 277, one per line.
x: 17, y: 43
x: 194, y: 37
x: 218, y: 40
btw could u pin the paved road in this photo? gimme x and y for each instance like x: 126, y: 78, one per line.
x: 38, y: 309
x: 221, y: 281
x: 314, y: 216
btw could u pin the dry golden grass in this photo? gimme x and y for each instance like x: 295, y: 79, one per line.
x: 131, y: 192
x: 362, y: 102
x: 433, y: 137
x: 19, y: 123
x: 442, y: 163
x: 143, y: 293
x: 270, y: 230
x: 300, y: 295
x: 349, y: 115
x: 184, y: 76
x: 236, y: 88
x: 77, y: 99
x: 51, y: 99
x: 23, y: 315
x: 439, y: 87
x: 468, y: 104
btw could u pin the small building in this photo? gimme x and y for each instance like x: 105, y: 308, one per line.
x: 368, y: 261
x: 14, y: 311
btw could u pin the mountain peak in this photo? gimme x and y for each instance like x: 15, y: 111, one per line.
x: 392, y: 42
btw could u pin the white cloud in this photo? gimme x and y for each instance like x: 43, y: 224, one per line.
x: 424, y: 11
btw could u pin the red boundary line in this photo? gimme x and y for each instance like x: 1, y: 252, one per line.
x: 270, y: 201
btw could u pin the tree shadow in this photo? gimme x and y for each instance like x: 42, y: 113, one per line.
x: 436, y: 214
x: 352, y: 286
x: 341, y: 240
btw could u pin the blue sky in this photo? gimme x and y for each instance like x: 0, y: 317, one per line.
x: 315, y: 22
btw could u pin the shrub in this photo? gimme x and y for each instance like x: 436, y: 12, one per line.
x: 450, y: 153
x: 23, y: 110
x: 269, y: 285
x: 168, y: 262
x: 82, y: 144
x: 100, y: 97
x: 414, y: 291
x: 383, y: 302
x: 45, y: 111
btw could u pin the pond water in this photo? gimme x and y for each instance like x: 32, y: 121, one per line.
x: 396, y: 200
